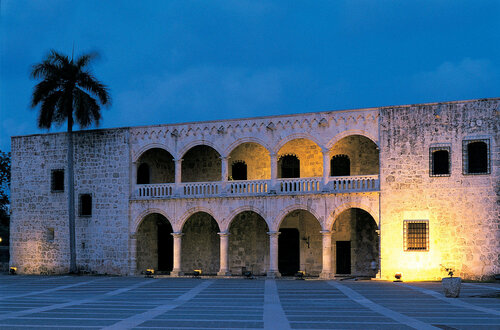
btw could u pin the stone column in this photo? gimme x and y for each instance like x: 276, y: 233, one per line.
x: 176, y: 271
x: 133, y: 254
x: 273, y: 255
x: 326, y: 167
x: 326, y: 272
x: 178, y: 176
x: 224, y: 254
x: 274, y: 171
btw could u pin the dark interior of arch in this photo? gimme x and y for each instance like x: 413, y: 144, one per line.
x: 200, y: 164
x: 143, y: 176
x: 154, y: 244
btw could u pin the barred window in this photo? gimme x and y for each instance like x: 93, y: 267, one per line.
x: 416, y: 235
x: 85, y: 205
x: 439, y: 158
x: 57, y: 181
x: 476, y: 156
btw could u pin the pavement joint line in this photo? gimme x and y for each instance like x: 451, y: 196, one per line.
x: 70, y: 303
x: 135, y: 320
x: 452, y: 301
x: 274, y: 316
x: 58, y: 288
x: 482, y: 286
x: 398, y: 317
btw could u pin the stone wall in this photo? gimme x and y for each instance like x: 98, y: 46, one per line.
x: 201, y: 164
x: 257, y: 159
x: 310, y: 240
x: 248, y: 244
x: 101, y: 169
x: 200, y: 244
x: 309, y: 154
x: 462, y: 210
x: 362, y: 153
x: 161, y: 165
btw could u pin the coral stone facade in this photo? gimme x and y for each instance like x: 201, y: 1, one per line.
x: 367, y: 192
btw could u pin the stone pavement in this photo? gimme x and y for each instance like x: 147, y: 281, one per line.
x: 93, y: 302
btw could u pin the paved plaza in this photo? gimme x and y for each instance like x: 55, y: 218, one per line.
x: 94, y: 302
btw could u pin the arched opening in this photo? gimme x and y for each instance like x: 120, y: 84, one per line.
x: 155, y: 166
x: 477, y: 156
x: 362, y: 153
x: 440, y: 162
x: 201, y: 164
x: 143, y: 174
x: 355, y: 243
x: 239, y: 170
x: 289, y: 167
x: 310, y: 155
x: 257, y: 159
x: 340, y: 165
x: 200, y: 244
x: 154, y: 244
x: 300, y: 244
x: 248, y: 244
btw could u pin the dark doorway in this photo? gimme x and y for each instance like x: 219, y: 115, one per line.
x: 290, y: 166
x: 288, y: 251
x: 239, y: 170
x: 343, y: 257
x: 165, y: 247
x: 340, y: 165
x: 143, y: 174
x: 440, y: 162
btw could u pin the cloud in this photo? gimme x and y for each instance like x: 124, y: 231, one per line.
x: 469, y: 78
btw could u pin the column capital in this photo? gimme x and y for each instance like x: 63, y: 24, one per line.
x: 326, y: 232
x: 133, y: 236
x: 273, y: 154
x: 224, y: 233
x: 273, y: 233
x: 325, y: 151
x: 178, y: 160
x: 224, y: 157
x: 177, y: 234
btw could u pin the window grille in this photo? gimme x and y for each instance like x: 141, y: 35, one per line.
x: 57, y: 181
x: 439, y: 161
x: 416, y: 235
x: 476, y: 156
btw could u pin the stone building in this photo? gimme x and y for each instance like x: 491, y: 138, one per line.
x: 412, y: 187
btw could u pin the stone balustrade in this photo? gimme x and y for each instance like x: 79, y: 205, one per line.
x: 347, y: 184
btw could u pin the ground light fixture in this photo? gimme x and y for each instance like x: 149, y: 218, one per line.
x: 149, y: 272
x: 13, y: 270
x: 398, y: 277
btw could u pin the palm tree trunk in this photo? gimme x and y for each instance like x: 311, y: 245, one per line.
x: 71, y: 199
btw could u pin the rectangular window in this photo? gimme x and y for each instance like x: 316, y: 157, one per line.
x: 439, y: 161
x: 476, y: 156
x: 85, y: 205
x: 416, y: 235
x: 50, y: 234
x: 57, y: 181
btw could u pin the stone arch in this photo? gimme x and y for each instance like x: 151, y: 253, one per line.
x: 308, y: 151
x: 243, y: 140
x: 137, y: 155
x: 239, y: 210
x: 347, y: 133
x: 256, y: 156
x: 350, y: 205
x: 295, y: 136
x: 201, y: 163
x: 281, y: 216
x: 192, y: 144
x: 144, y: 214
x: 192, y: 211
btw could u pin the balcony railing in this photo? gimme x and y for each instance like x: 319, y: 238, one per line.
x: 346, y: 184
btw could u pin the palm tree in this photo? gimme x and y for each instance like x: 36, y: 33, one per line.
x: 70, y: 93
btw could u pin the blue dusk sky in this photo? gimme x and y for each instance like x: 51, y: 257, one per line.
x: 181, y: 61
